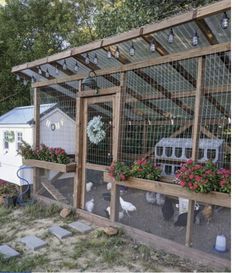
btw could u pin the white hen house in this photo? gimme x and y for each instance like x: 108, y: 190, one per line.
x: 57, y: 130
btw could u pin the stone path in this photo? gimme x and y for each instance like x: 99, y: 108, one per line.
x: 33, y: 243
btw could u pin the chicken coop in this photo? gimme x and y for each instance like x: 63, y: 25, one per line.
x: 160, y: 92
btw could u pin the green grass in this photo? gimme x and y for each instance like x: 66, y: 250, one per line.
x: 37, y: 210
x: 21, y: 264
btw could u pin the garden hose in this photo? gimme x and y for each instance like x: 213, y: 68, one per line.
x: 20, y: 200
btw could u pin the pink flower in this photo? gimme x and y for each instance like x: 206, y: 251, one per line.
x: 182, y: 183
x: 122, y: 177
x: 191, y: 176
x: 189, y: 162
x: 198, y: 178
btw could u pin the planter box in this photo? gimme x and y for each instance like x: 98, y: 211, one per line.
x: 214, y: 198
x: 64, y: 168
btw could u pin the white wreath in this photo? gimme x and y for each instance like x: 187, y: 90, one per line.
x: 95, y: 131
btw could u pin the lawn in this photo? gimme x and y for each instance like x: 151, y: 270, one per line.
x: 91, y: 252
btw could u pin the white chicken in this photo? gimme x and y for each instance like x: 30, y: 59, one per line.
x: 150, y: 197
x: 127, y: 206
x: 89, y: 186
x: 89, y: 206
x: 108, y: 212
x: 109, y: 185
x: 160, y: 199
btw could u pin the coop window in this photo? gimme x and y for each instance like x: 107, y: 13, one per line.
x: 200, y: 153
x: 188, y: 152
x: 211, y: 154
x: 176, y: 168
x: 19, y: 140
x: 178, y: 152
x: 168, y: 169
x: 168, y: 151
x: 159, y: 151
x: 5, y: 142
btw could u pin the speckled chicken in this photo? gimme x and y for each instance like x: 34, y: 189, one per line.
x: 207, y: 213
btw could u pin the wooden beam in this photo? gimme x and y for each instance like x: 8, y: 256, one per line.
x: 36, y: 138
x: 192, y: 53
x: 195, y: 143
x: 118, y: 117
x: 135, y: 33
x: 210, y: 36
x: 78, y: 195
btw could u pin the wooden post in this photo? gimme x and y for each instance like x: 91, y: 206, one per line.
x: 195, y: 137
x: 36, y: 138
x: 78, y: 189
x: 117, y: 125
x: 145, y: 136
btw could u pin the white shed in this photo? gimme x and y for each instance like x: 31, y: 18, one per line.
x: 18, y: 125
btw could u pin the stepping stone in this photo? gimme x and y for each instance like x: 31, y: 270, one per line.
x: 32, y: 242
x: 8, y: 252
x: 80, y: 226
x: 59, y: 232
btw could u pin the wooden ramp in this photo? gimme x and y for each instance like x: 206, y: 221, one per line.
x: 54, y: 191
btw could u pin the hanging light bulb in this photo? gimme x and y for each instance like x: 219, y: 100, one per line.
x: 39, y: 70
x: 132, y: 50
x: 172, y: 121
x: 195, y: 39
x: 47, y: 73
x: 117, y: 53
x: 76, y: 68
x: 25, y: 82
x: 87, y: 61
x: 109, y: 54
x: 33, y: 79
x: 17, y: 77
x: 152, y: 46
x: 225, y: 21
x: 56, y: 71
x: 64, y: 65
x: 171, y: 36
x: 95, y: 59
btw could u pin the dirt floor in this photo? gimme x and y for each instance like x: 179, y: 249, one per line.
x: 91, y: 252
x: 149, y: 217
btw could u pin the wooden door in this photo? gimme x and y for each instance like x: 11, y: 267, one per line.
x: 98, y: 132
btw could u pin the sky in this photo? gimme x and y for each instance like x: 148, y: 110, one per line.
x: 2, y: 2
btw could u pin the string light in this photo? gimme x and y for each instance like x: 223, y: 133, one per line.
x: 225, y: 21
x: 152, y: 46
x: 25, y: 82
x: 132, y: 50
x: 171, y: 36
x: 109, y: 54
x: 64, y: 65
x: 56, y: 71
x: 195, y: 39
x: 47, y: 73
x: 76, y: 68
x: 39, y: 70
x: 117, y: 53
x: 95, y: 59
x: 87, y: 60
x: 33, y: 79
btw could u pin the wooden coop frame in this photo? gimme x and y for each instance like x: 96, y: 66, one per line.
x: 116, y: 95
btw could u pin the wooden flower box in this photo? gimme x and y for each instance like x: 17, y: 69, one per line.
x: 214, y: 198
x: 64, y: 168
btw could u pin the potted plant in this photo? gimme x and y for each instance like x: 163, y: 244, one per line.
x: 140, y: 169
x: 8, y: 194
x: 203, y: 177
x: 58, y: 158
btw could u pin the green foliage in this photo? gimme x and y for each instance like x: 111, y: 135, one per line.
x: 32, y: 29
x: 203, y: 177
x: 144, y: 169
x: 38, y: 210
x: 44, y: 153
